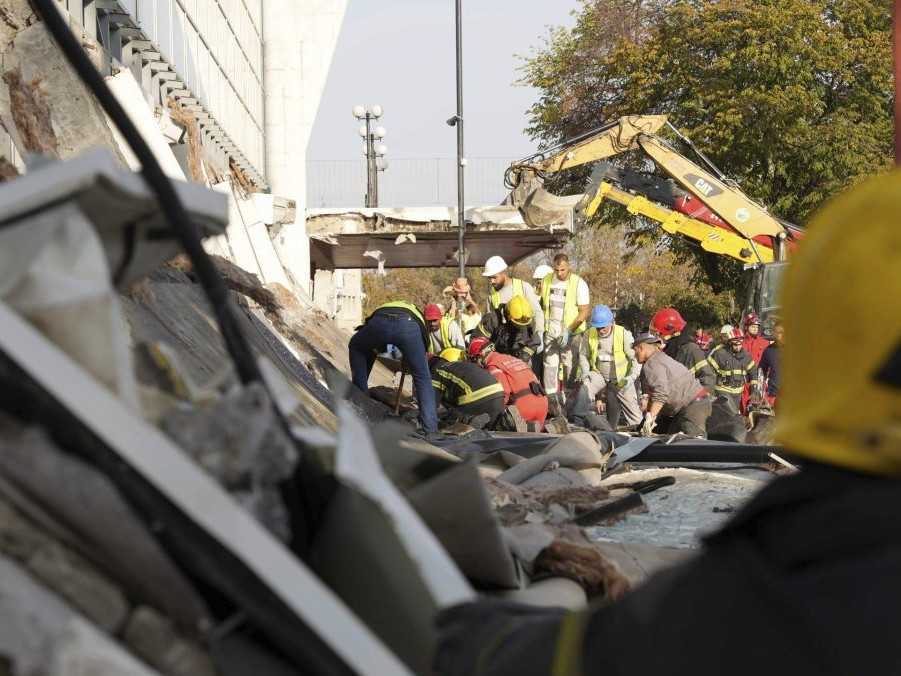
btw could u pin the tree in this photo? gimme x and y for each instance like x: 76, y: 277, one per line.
x: 792, y: 98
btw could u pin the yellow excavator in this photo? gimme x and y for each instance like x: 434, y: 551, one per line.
x: 695, y: 202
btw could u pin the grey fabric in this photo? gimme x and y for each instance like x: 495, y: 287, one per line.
x: 667, y: 381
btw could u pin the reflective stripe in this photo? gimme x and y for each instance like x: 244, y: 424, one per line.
x: 469, y: 395
x: 570, y: 307
x: 730, y: 390
x: 494, y: 296
x: 438, y: 385
x: 570, y: 645
x: 699, y: 365
x: 620, y: 359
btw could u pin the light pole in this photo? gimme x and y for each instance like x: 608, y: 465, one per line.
x: 373, y: 149
x: 457, y: 121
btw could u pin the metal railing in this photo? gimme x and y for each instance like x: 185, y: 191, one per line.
x: 408, y: 182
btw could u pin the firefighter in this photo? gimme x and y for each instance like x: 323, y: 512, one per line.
x: 503, y: 288
x: 443, y: 331
x: 565, y: 300
x: 669, y: 325
x: 804, y: 578
x: 607, y: 363
x: 734, y: 368
x: 676, y: 400
x: 401, y: 324
x: 521, y: 387
x: 468, y: 392
x: 516, y: 334
x: 754, y: 343
x: 769, y: 368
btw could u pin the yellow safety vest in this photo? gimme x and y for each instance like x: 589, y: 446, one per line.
x: 570, y: 308
x: 444, y: 330
x: 621, y: 360
x: 413, y: 310
x: 494, y: 296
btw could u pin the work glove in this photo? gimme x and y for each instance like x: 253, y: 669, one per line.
x: 564, y: 338
x: 648, y: 425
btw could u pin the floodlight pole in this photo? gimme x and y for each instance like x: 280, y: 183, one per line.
x: 461, y: 160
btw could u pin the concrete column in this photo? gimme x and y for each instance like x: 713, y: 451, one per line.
x: 299, y: 39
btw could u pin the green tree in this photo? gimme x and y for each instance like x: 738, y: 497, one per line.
x: 791, y: 98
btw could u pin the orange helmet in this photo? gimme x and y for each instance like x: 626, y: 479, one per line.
x: 667, y: 321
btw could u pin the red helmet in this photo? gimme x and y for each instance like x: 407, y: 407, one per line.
x: 736, y: 334
x: 704, y: 340
x: 667, y: 321
x: 478, y: 346
x: 432, y: 312
x: 751, y: 318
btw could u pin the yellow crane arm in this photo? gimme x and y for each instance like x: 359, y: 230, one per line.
x: 729, y: 203
x: 709, y: 237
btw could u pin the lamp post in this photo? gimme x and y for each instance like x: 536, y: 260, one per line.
x: 374, y: 149
x: 457, y: 121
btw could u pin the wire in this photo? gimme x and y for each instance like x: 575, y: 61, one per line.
x: 185, y: 231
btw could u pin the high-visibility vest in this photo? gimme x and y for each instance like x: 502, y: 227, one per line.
x: 444, y: 330
x: 494, y: 297
x: 413, y: 310
x: 570, y: 307
x: 621, y: 360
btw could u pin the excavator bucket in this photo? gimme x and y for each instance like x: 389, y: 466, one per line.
x: 542, y: 209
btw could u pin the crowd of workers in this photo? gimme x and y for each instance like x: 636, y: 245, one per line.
x: 539, y: 349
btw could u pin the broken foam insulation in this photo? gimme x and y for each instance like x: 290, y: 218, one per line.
x: 31, y: 114
x: 186, y: 120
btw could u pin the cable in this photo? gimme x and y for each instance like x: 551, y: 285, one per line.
x: 185, y: 231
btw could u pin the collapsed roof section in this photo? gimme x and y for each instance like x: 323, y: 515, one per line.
x: 424, y: 237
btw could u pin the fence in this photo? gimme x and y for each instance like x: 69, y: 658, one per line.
x: 408, y: 182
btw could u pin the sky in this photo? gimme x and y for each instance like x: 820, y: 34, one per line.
x: 400, y: 54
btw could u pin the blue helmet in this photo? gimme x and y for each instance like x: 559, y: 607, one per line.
x: 601, y: 316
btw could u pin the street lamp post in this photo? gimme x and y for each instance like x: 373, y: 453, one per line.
x: 374, y: 149
x: 457, y: 121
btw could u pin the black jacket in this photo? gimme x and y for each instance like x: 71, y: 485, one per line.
x: 508, y: 338
x: 803, y: 580
x: 769, y: 365
x: 688, y: 353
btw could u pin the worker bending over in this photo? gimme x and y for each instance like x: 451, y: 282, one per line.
x: 607, y: 363
x: 468, y: 392
x: 734, y: 368
x: 522, y: 390
x: 444, y: 332
x: 804, y: 578
x: 676, y: 400
x: 669, y: 325
x: 565, y: 300
x: 514, y: 333
x: 401, y: 324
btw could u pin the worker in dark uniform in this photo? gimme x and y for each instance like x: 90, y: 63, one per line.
x: 804, y: 578
x: 669, y: 325
x: 468, y: 391
x: 735, y: 369
x: 511, y: 329
x: 401, y: 324
x: 769, y: 367
x: 522, y: 390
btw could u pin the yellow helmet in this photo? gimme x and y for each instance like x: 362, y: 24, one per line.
x: 452, y: 354
x: 519, y: 311
x: 840, y: 397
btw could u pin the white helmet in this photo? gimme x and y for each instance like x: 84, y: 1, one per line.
x: 493, y: 266
x: 726, y: 330
x: 542, y: 271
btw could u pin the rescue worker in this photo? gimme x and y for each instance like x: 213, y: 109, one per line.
x: 401, y: 324
x: 521, y: 387
x: 515, y: 335
x: 538, y: 276
x: 703, y: 339
x: 565, y: 300
x: 503, y: 287
x: 444, y: 332
x: 461, y: 292
x: 769, y: 367
x: 607, y: 363
x: 754, y: 343
x: 677, y: 402
x: 803, y: 579
x: 469, y: 393
x: 735, y: 369
x: 669, y: 325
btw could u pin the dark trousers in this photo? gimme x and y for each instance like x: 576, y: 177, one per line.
x: 493, y: 406
x: 690, y: 421
x: 400, y: 330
